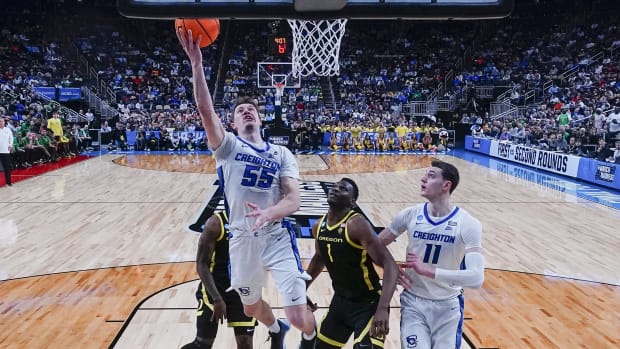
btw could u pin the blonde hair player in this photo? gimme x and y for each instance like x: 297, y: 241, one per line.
x: 260, y: 182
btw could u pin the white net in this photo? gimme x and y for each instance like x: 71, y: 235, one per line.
x: 316, y: 46
x: 279, y: 93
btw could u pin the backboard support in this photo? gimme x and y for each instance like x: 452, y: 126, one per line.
x: 318, y: 9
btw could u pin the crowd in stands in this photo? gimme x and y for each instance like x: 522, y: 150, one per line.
x: 151, y: 78
x: 30, y: 58
x: 581, y: 117
x: 562, y: 129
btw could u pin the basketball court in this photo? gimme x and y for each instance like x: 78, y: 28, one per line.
x: 99, y: 253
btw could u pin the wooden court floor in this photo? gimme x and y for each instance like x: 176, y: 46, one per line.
x: 98, y: 254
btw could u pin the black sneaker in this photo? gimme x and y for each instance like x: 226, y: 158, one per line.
x: 193, y: 345
x: 307, y: 344
x: 277, y: 339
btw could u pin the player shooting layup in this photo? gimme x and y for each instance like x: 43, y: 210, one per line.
x: 261, y: 187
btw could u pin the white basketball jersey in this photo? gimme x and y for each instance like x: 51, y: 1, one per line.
x: 251, y: 173
x: 438, y: 241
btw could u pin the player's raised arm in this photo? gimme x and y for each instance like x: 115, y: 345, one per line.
x: 210, y: 120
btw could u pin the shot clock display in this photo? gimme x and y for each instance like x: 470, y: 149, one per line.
x: 279, y: 45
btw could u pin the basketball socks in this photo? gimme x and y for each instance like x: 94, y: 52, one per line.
x: 275, y: 327
x: 277, y: 338
x: 309, y: 337
x: 308, y: 341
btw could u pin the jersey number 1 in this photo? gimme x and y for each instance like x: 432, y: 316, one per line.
x: 429, y: 251
x: 257, y: 176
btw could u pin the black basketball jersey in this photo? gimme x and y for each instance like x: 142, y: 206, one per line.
x: 218, y: 265
x: 350, y: 268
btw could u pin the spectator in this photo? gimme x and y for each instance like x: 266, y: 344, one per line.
x: 616, y: 156
x: 603, y: 152
x: 505, y: 135
x: 613, y: 120
x: 560, y: 143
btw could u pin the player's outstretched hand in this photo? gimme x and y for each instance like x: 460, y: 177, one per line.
x: 191, y: 48
x: 219, y: 311
x: 381, y: 323
x: 311, y: 305
x: 260, y: 215
x: 416, y: 263
x: 403, y: 278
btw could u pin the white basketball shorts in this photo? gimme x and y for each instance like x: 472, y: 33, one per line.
x: 430, y: 324
x: 252, y: 256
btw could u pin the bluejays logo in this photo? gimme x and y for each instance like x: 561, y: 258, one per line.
x: 412, y: 341
x: 313, y: 205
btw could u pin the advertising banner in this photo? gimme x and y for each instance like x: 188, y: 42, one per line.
x: 49, y: 92
x: 556, y: 162
x: 69, y: 94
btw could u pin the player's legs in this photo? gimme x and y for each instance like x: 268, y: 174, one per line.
x: 247, y: 275
x: 261, y: 311
x: 246, y: 271
x: 333, y: 331
x: 244, y: 337
x: 242, y: 324
x: 362, y: 315
x: 282, y: 259
x: 446, y: 322
x: 206, y: 329
x: 414, y: 330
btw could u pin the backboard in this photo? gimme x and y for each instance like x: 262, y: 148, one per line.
x: 269, y: 74
x: 317, y: 9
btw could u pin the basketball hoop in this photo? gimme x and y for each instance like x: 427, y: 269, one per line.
x: 279, y: 92
x: 316, y: 46
x: 279, y: 89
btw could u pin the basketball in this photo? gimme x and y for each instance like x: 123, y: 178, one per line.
x: 209, y: 28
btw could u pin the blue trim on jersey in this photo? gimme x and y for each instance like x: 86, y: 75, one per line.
x: 220, y: 176
x: 291, y: 232
x: 428, y: 217
x: 459, y: 329
x: 253, y: 147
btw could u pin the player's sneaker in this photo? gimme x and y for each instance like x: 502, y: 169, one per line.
x: 193, y: 345
x: 307, y: 344
x: 277, y: 339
